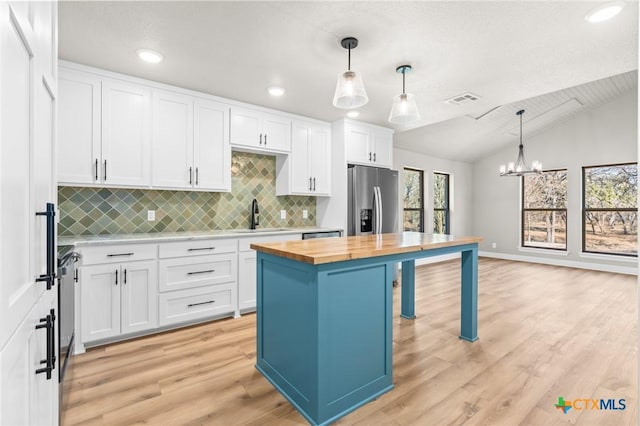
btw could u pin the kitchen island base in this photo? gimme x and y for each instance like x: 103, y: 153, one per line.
x: 324, y: 330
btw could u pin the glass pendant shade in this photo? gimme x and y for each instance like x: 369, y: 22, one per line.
x: 404, y: 109
x: 350, y: 92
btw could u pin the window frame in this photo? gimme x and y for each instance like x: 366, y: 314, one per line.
x: 523, y: 211
x: 447, y: 209
x: 585, y: 210
x: 414, y: 209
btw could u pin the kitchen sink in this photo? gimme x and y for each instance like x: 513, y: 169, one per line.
x: 259, y: 230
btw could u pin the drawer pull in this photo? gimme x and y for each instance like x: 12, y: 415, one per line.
x: 201, y: 303
x: 120, y: 254
x: 201, y: 272
x: 200, y: 248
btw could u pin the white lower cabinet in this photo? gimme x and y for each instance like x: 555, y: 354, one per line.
x: 247, y: 280
x: 28, y: 395
x: 197, y: 303
x: 118, y: 299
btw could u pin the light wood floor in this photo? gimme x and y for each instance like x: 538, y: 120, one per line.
x: 544, y: 332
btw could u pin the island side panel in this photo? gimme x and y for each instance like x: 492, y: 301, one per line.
x: 469, y: 294
x: 287, y: 329
x: 355, y: 302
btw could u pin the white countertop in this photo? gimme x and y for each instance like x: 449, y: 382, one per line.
x: 88, y: 240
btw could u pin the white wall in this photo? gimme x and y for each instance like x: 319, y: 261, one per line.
x: 604, y: 135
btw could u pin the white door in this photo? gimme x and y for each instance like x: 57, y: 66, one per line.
x: 100, y: 302
x: 358, y: 145
x: 245, y: 128
x: 79, y: 106
x: 126, y: 134
x: 300, y: 178
x: 211, y: 149
x: 276, y: 133
x: 247, y: 280
x: 320, y: 160
x: 139, y: 288
x: 18, y: 289
x: 383, y: 143
x: 172, y: 140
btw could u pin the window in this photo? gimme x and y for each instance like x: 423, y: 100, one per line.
x: 609, y: 214
x: 440, y: 203
x: 544, y: 210
x: 413, y: 200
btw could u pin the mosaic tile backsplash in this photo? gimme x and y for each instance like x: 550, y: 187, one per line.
x: 94, y: 211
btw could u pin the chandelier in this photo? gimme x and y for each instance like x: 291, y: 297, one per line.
x: 519, y: 168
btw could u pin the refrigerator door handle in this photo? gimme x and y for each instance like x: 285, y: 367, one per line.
x: 379, y: 200
x: 374, y: 228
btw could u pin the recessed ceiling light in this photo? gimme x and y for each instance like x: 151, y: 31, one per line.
x: 275, y: 91
x: 604, y: 12
x: 353, y: 114
x: 149, y: 55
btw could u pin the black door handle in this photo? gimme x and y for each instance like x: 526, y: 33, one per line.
x: 96, y: 169
x: 196, y: 176
x: 50, y: 275
x: 124, y: 278
x: 116, y: 277
x: 46, y: 324
x: 105, y: 170
x: 314, y: 184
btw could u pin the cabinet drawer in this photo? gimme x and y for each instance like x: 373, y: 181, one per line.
x: 118, y: 254
x: 181, y: 273
x: 196, y: 303
x: 197, y: 248
x: 245, y: 243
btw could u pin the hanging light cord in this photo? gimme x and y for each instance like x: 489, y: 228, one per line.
x: 349, y: 61
x: 520, y: 130
x: 403, y: 73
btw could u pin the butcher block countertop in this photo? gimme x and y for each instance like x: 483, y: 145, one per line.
x: 328, y: 250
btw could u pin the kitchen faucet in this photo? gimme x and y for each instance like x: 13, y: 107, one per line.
x: 255, y: 214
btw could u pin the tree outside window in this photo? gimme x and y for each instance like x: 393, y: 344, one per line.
x: 610, y: 213
x: 544, y: 210
x: 413, y: 200
x: 441, y: 203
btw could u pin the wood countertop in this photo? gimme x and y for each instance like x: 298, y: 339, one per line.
x: 327, y: 250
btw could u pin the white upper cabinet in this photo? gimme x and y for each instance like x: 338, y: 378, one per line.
x: 260, y: 131
x: 211, y: 149
x: 126, y: 134
x: 79, y: 117
x: 368, y: 145
x: 307, y: 170
x: 172, y: 140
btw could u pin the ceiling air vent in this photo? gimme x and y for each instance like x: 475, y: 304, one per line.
x: 462, y: 99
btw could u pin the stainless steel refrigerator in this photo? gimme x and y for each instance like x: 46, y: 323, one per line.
x: 372, y: 200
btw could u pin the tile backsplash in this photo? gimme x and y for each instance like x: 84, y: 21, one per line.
x: 94, y: 211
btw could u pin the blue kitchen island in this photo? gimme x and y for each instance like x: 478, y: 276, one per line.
x: 324, y: 314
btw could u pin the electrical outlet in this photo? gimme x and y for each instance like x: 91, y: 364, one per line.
x: 305, y: 214
x: 494, y: 245
x: 151, y: 215
x: 283, y: 214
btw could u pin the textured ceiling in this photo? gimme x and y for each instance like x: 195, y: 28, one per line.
x: 502, y: 51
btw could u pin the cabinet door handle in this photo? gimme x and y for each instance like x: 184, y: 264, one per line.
x: 265, y: 138
x: 190, y: 175
x: 120, y: 254
x: 196, y: 176
x: 105, y: 170
x: 201, y: 272
x: 96, y: 169
x: 309, y: 184
x: 201, y: 248
x: 50, y: 276
x: 124, y: 277
x: 374, y: 156
x: 260, y: 138
x: 201, y: 303
x: 314, y: 184
x: 46, y: 324
x: 116, y: 277
x: 369, y: 156
x: 52, y: 312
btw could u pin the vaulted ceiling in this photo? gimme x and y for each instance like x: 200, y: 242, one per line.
x: 503, y: 52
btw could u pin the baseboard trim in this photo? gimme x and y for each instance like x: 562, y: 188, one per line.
x: 628, y: 270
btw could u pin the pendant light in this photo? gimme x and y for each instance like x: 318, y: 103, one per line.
x: 404, y: 109
x: 350, y: 91
x: 519, y: 168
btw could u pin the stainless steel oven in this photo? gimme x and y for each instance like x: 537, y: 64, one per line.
x: 67, y: 277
